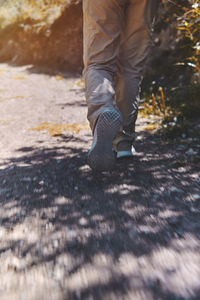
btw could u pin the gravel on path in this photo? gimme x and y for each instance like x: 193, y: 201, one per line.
x: 68, y: 233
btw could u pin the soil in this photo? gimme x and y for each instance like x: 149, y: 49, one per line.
x: 69, y: 233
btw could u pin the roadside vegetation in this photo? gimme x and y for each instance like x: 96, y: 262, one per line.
x: 172, y: 86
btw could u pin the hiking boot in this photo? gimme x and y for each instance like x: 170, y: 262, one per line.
x: 101, y: 156
x: 125, y: 149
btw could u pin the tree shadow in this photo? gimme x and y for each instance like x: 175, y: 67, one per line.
x: 132, y: 210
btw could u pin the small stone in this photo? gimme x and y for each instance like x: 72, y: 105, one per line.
x: 162, y: 189
x: 190, y: 152
x: 145, y: 229
x: 8, y: 195
x: 155, y: 197
x: 183, y: 135
x: 42, y: 215
x: 176, y: 190
x: 55, y: 191
x: 25, y: 179
x: 174, y: 221
x: 55, y: 209
x: 83, y: 221
x: 55, y: 244
x: 23, y: 212
x: 4, y: 190
x: 11, y: 168
x: 196, y: 196
x: 180, y: 232
x: 181, y: 147
x: 133, y: 234
x: 194, y: 210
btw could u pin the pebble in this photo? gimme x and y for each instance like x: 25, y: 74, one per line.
x: 145, y: 229
x: 83, y: 221
x: 55, y: 191
x: 55, y: 244
x: 183, y: 135
x: 162, y: 189
x: 190, y: 152
x: 11, y: 168
x: 42, y: 214
x: 8, y: 195
x: 196, y: 196
x: 174, y: 221
x: 25, y: 179
x: 181, y: 147
x: 4, y: 190
x: 194, y: 210
x: 133, y: 234
x: 23, y: 212
x: 175, y: 190
x: 156, y: 197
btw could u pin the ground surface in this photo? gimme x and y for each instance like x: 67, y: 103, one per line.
x: 67, y: 233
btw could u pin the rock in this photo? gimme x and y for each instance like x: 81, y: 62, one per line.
x: 174, y: 221
x: 190, y: 152
x: 42, y: 215
x: 25, y: 179
x: 181, y: 147
x: 194, y: 210
x: 83, y: 221
x: 11, y: 168
x: 155, y: 197
x: 23, y: 212
x: 55, y: 243
x: 183, y: 135
x: 8, y: 195
x: 145, y: 229
x: 55, y: 192
x: 196, y: 196
x: 4, y: 190
x: 174, y: 189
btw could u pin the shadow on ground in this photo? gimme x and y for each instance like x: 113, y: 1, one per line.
x: 138, y: 208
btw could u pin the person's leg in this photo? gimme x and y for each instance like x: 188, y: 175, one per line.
x: 102, y: 32
x: 134, y: 50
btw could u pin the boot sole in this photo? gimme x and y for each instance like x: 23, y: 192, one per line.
x: 101, y: 156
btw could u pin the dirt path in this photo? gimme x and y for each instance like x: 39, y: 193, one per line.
x: 66, y: 233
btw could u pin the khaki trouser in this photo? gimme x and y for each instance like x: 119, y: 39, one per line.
x: 116, y: 44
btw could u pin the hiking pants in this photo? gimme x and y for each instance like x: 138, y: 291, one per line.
x: 117, y: 39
